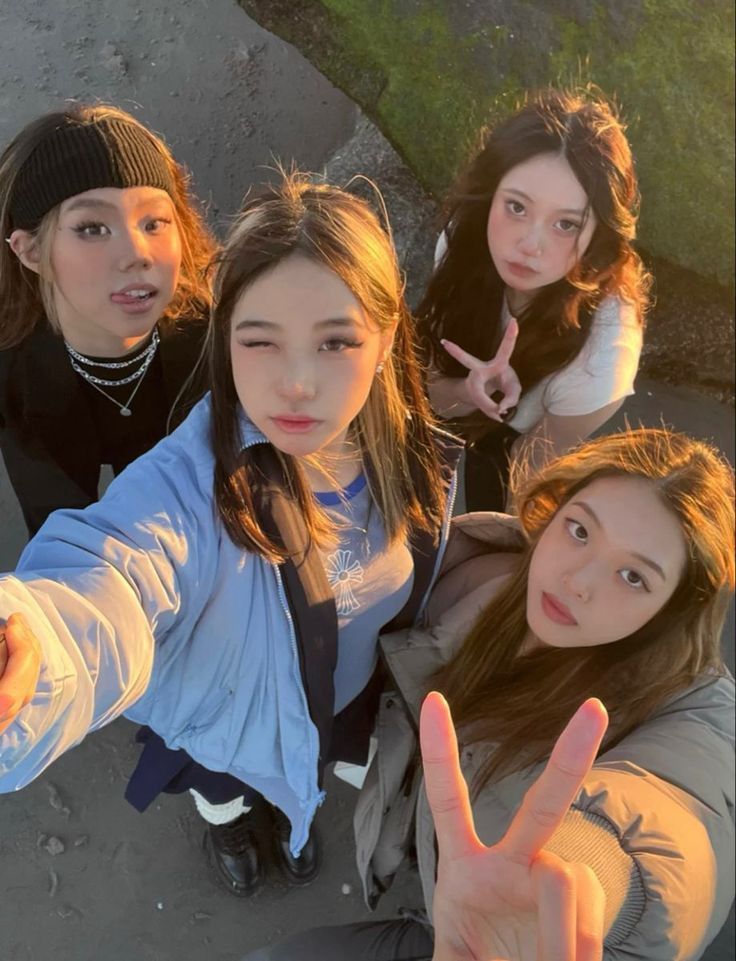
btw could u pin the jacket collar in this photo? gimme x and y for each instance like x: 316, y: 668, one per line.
x: 415, y: 654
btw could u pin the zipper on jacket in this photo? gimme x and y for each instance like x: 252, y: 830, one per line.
x: 444, y: 536
x: 321, y: 795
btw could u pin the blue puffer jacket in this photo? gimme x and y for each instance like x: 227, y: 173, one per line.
x: 145, y: 607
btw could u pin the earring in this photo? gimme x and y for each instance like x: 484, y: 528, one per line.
x: 380, y: 367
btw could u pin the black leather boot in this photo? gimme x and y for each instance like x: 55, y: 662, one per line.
x: 235, y: 855
x: 304, y: 869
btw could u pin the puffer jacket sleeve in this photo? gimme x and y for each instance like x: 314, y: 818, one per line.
x: 99, y: 588
x: 655, y: 821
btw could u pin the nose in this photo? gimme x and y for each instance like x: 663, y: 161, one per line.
x: 579, y: 582
x: 135, y: 250
x: 530, y: 244
x: 298, y: 381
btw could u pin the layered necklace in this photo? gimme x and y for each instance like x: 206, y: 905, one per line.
x: 144, y: 359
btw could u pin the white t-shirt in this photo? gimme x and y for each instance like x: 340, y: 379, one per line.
x: 603, y: 371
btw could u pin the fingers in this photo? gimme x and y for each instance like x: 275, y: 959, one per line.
x: 591, y: 911
x: 477, y: 388
x: 466, y: 359
x: 444, y: 782
x: 554, y: 884
x: 508, y: 342
x: 511, y: 387
x: 493, y: 393
x: 570, y: 910
x: 486, y: 379
x: 20, y: 677
x: 547, y: 801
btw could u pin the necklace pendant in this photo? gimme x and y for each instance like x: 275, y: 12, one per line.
x: 125, y: 412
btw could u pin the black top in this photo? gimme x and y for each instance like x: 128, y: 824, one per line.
x: 122, y: 439
x: 56, y: 430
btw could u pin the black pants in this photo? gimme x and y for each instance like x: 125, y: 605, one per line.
x: 487, y: 470
x: 397, y: 940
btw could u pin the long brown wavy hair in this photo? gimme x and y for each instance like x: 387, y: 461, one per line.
x: 393, y: 431
x: 463, y: 301
x: 26, y: 297
x: 521, y: 703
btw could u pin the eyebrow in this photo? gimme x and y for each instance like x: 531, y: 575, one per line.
x: 256, y: 324
x: 95, y: 203
x: 90, y: 202
x: 645, y: 560
x: 560, y: 210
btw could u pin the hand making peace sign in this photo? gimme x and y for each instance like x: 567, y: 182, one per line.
x: 487, y: 378
x: 513, y: 901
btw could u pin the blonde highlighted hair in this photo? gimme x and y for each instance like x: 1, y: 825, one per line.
x: 393, y: 431
x: 522, y: 702
x: 25, y: 296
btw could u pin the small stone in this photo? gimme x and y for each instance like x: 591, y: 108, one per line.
x: 81, y: 841
x: 54, y: 846
x: 67, y: 911
x: 347, y: 889
x: 55, y: 801
x: 159, y: 905
x: 200, y: 916
x: 53, y: 882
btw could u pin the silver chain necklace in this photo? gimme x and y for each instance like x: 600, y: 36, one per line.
x: 144, y: 358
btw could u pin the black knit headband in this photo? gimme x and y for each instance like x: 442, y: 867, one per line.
x: 80, y: 156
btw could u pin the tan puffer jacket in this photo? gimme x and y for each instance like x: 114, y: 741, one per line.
x: 654, y: 819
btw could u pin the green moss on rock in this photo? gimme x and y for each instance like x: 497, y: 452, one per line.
x: 429, y: 72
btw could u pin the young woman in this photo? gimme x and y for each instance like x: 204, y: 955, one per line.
x: 614, y: 583
x: 533, y: 318
x: 228, y: 590
x: 103, y: 301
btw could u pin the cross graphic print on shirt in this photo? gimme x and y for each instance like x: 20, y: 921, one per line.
x: 343, y: 573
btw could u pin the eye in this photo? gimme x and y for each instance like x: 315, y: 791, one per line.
x: 633, y: 579
x: 256, y: 343
x: 568, y: 226
x: 576, y: 530
x: 91, y: 228
x: 157, y: 225
x: 338, y: 344
x: 515, y: 207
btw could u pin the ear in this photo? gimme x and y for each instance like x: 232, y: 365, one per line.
x: 24, y: 246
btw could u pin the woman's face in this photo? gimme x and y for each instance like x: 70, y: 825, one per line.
x: 539, y: 224
x: 304, y: 355
x: 115, y: 260
x: 609, y: 560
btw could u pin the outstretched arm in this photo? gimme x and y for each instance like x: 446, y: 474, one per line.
x: 514, y: 900
x: 20, y: 662
x: 97, y: 589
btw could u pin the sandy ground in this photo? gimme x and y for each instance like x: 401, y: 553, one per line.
x: 84, y: 877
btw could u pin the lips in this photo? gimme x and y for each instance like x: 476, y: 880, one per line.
x: 294, y: 424
x: 520, y: 270
x: 134, y: 294
x: 556, y: 610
